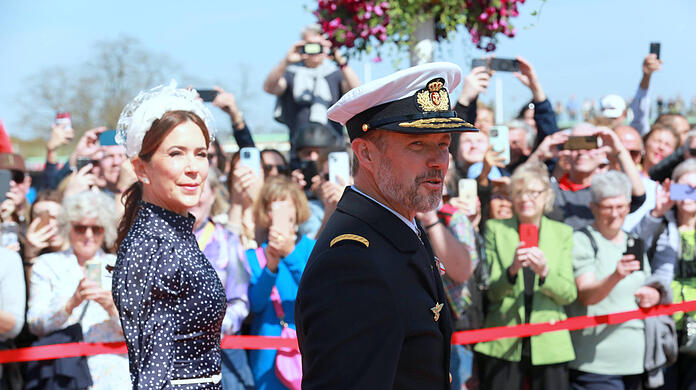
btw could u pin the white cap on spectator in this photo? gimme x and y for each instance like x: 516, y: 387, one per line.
x: 612, y: 106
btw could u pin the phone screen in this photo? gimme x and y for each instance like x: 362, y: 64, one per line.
x: 107, y: 138
x: 529, y: 235
x: 581, y: 142
x: 93, y: 271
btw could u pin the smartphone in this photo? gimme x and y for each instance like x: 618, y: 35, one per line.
x: 208, y: 95
x: 309, y: 170
x: 529, y: 235
x: 107, y: 138
x: 9, y: 237
x: 339, y: 168
x: 5, y: 177
x: 476, y: 62
x: 467, y: 191
x: 251, y: 157
x: 504, y: 64
x: 581, y: 142
x: 498, y: 137
x: 83, y: 161
x: 312, y: 48
x: 44, y: 219
x: 681, y: 192
x: 282, y: 216
x: 634, y: 246
x: 655, y: 49
x: 93, y: 271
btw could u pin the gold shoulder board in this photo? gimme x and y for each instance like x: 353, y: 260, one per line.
x: 353, y: 237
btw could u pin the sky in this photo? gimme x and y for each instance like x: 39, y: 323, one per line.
x: 585, y: 48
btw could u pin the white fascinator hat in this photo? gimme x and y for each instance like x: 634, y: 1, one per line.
x: 137, y: 116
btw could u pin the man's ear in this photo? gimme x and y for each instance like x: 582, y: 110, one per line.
x: 363, y: 151
x: 139, y: 169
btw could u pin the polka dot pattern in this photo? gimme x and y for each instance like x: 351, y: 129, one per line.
x: 170, y: 301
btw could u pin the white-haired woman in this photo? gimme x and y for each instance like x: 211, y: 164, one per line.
x: 610, y: 280
x: 72, y: 286
x: 531, y: 280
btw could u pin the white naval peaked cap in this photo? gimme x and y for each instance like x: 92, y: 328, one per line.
x: 413, y: 100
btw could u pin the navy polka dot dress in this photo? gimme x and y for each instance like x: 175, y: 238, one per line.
x: 170, y: 301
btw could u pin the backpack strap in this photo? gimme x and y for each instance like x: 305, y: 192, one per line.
x: 584, y: 230
x: 658, y: 233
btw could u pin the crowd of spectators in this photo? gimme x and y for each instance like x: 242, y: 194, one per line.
x: 587, y: 205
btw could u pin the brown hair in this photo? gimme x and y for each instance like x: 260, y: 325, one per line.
x: 658, y: 127
x: 154, y: 137
x: 46, y: 196
x: 279, y: 188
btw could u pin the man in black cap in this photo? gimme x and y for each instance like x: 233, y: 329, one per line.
x: 370, y: 309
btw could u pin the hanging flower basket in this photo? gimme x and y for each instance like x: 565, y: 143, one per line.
x: 360, y: 25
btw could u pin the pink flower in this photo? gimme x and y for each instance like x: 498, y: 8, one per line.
x: 377, y: 59
x: 490, y: 46
x: 378, y: 11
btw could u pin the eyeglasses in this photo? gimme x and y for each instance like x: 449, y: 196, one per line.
x: 610, y: 209
x: 95, y: 229
x: 531, y: 194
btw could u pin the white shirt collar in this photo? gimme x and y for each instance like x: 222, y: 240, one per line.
x: 411, y: 224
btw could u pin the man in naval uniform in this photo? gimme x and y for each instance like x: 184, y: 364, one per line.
x: 371, y: 312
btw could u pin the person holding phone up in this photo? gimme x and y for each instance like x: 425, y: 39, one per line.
x: 276, y: 267
x: 306, y: 84
x: 612, y: 274
x: 531, y: 280
x: 66, y: 289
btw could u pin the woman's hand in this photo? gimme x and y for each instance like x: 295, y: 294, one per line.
x: 663, y: 202
x: 519, y: 261
x: 81, y: 180
x: 246, y: 185
x: 77, y: 298
x: 537, y: 261
x: 38, y: 238
x: 647, y: 297
x: 282, y: 242
x: 93, y: 292
x: 626, y: 266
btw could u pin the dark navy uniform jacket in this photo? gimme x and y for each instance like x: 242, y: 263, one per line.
x: 364, y: 309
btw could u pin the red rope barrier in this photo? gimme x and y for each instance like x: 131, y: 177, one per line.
x: 266, y: 342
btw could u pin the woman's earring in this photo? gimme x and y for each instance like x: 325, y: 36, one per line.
x: 146, y: 180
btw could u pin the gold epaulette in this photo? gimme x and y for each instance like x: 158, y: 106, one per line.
x: 353, y: 237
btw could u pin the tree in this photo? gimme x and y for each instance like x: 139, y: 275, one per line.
x: 95, y: 91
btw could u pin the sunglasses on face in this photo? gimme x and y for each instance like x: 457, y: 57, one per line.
x: 95, y: 229
x: 282, y: 169
x: 17, y: 177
